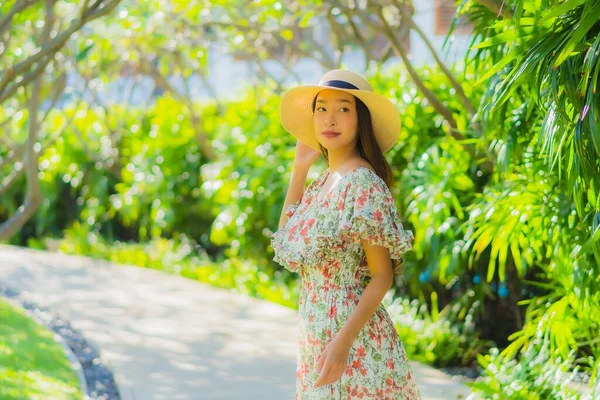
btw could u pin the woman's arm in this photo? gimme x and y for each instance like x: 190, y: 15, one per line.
x: 382, y: 278
x: 304, y: 157
x: 295, y: 190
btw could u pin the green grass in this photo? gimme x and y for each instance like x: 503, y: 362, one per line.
x: 32, y: 364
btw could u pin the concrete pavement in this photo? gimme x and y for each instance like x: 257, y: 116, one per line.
x: 168, y: 337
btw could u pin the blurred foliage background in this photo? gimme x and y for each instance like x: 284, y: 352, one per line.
x: 497, y: 166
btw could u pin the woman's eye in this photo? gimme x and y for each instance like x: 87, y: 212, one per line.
x: 320, y: 108
x: 345, y: 109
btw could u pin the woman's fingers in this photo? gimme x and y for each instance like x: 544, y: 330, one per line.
x: 322, y: 380
x: 330, y: 374
x: 320, y: 362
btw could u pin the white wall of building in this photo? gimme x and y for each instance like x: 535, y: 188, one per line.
x: 424, y: 17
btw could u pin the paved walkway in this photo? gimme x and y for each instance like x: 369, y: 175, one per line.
x: 167, y: 337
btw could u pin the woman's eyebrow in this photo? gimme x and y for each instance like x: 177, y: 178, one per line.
x: 339, y: 101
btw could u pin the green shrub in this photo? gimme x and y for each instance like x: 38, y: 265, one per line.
x: 439, y: 338
x: 537, y: 374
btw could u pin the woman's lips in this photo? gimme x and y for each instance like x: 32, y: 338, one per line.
x: 330, y: 134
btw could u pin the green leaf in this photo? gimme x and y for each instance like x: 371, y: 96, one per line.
x: 565, y: 7
x: 584, y: 26
x: 592, y: 194
x: 82, y: 55
x: 499, y: 65
x: 287, y: 34
x: 590, y: 242
x: 502, y: 252
x: 500, y: 38
x: 306, y: 18
x: 516, y: 254
x: 484, y: 240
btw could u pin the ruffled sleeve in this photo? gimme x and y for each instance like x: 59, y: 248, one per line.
x: 286, y: 250
x: 370, y: 213
x: 282, y: 248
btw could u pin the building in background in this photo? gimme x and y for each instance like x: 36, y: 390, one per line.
x: 434, y: 17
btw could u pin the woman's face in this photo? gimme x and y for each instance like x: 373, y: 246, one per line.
x: 335, y: 119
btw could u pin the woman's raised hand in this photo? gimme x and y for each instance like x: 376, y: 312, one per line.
x: 305, y: 155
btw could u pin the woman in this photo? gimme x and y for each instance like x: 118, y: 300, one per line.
x: 344, y: 237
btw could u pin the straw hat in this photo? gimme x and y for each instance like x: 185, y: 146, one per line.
x: 297, y: 115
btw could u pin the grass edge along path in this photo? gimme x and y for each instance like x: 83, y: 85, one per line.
x: 32, y: 363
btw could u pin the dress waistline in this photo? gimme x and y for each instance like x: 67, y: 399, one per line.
x: 326, y: 286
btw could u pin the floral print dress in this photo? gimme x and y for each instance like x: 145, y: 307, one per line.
x: 321, y: 242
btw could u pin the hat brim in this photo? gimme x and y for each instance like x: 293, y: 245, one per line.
x: 297, y: 115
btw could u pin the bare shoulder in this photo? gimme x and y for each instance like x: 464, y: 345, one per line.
x: 367, y: 165
x: 361, y: 163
